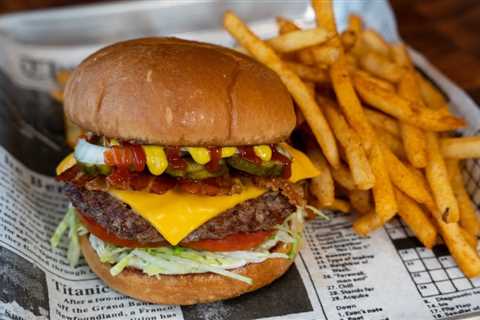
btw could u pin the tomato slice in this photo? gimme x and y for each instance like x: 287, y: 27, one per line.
x: 101, y: 233
x: 234, y: 242
x: 239, y: 241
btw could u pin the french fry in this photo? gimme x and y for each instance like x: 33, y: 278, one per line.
x: 402, y: 109
x: 62, y: 77
x: 300, y: 39
x: 348, y: 39
x: 343, y: 177
x: 321, y: 186
x: 357, y: 160
x: 349, y: 102
x: 309, y: 73
x: 416, y: 219
x: 324, y: 17
x: 297, y: 88
x: 432, y: 97
x: 470, y: 238
x: 383, y: 195
x: 413, y: 138
x: 360, y: 201
x: 407, y: 181
x: 461, y: 148
x: 286, y: 26
x: 338, y: 205
x: 381, y: 67
x: 375, y: 42
x: 468, y: 217
x: 355, y: 24
x: 437, y: 177
x: 400, y: 55
x: 379, y: 82
x: 466, y: 257
x: 367, y: 223
x: 393, y: 143
x: 381, y: 120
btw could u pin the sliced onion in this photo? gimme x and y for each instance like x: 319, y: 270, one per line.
x: 89, y: 153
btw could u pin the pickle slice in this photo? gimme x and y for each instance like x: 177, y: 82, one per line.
x: 265, y: 169
x: 197, y: 171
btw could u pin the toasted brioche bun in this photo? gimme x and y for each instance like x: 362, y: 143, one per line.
x: 169, y: 91
x: 185, y: 289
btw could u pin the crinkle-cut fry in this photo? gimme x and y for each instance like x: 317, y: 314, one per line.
x: 439, y: 182
x: 349, y: 102
x: 357, y: 159
x: 367, y: 223
x: 416, y: 219
x: 461, y: 147
x: 406, y: 180
x: 300, y: 39
x: 360, y: 201
x: 394, y: 143
x: 381, y: 120
x: 343, y: 177
x: 383, y: 195
x: 375, y: 42
x: 413, y: 138
x: 394, y: 105
x: 379, y: 82
x: 381, y: 67
x: 266, y: 55
x: 466, y: 257
x: 309, y: 73
x: 470, y: 238
x: 322, y: 186
x: 469, y: 219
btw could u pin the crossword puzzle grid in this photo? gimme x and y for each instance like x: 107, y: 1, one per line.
x: 433, y: 271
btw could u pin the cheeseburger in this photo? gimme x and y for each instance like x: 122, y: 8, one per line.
x: 183, y: 189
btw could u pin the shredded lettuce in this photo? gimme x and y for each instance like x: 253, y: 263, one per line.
x: 169, y: 260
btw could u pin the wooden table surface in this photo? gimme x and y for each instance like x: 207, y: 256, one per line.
x: 445, y: 31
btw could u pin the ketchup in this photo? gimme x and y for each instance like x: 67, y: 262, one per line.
x: 248, y: 154
x: 215, y: 157
x: 286, y: 163
x: 174, y: 158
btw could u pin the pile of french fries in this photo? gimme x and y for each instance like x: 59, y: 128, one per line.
x: 382, y: 130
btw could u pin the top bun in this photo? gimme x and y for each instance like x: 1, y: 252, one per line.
x: 169, y: 91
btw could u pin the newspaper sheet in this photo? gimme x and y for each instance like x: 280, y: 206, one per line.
x: 337, y: 275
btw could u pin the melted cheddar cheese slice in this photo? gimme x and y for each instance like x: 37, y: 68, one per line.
x: 175, y: 215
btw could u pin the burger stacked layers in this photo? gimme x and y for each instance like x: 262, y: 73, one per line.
x: 183, y: 190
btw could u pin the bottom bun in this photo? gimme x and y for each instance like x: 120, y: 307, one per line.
x: 186, y: 289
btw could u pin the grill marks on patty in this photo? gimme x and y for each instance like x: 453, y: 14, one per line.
x: 117, y: 218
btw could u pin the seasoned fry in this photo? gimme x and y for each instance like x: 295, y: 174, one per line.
x: 402, y: 109
x: 393, y: 143
x: 355, y: 24
x: 300, y: 39
x: 322, y: 187
x: 466, y: 257
x: 286, y: 26
x: 383, y: 195
x: 432, y: 97
x: 309, y: 73
x: 326, y: 54
x: 416, y: 219
x: 348, y: 39
x: 324, y: 17
x: 357, y: 160
x: 469, y: 219
x: 407, y: 181
x: 343, y: 177
x: 360, y: 201
x: 379, y: 82
x: 381, y: 120
x: 413, y: 138
x: 297, y: 88
x: 349, y: 102
x: 437, y: 177
x: 461, y: 148
x: 471, y: 239
x: 338, y: 205
x: 400, y: 55
x: 375, y: 42
x: 367, y: 223
x: 381, y: 67
x: 62, y: 77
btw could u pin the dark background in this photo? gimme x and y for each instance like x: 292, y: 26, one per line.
x: 445, y: 31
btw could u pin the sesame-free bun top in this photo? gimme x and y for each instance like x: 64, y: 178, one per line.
x: 169, y: 91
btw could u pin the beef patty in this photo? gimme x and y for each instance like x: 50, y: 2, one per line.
x: 117, y: 218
